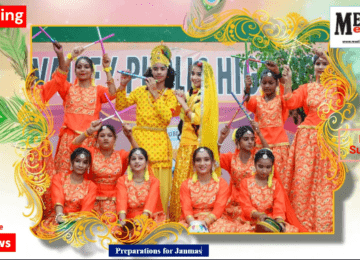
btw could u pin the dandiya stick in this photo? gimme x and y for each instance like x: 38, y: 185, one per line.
x: 259, y: 61
x: 38, y: 33
x: 107, y: 118
x: 131, y: 74
x: 101, y: 42
x: 103, y: 39
x: 237, y: 111
x: 112, y: 106
x: 51, y: 39
x: 241, y: 106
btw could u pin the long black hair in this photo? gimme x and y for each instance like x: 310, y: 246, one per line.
x: 142, y: 150
x: 88, y: 60
x: 241, y: 131
x: 191, y: 90
x: 110, y: 127
x: 208, y: 150
x: 259, y: 155
x: 170, y: 77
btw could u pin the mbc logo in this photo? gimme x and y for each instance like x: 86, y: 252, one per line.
x: 345, y: 27
x: 12, y: 16
x: 7, y: 242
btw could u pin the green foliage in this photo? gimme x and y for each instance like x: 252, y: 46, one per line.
x: 300, y: 63
x: 13, y: 46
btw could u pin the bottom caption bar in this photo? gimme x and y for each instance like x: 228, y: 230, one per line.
x: 158, y: 250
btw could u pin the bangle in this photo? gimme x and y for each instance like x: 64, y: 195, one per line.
x: 69, y: 56
x: 219, y: 144
x: 86, y: 133
x: 108, y: 69
x: 278, y: 76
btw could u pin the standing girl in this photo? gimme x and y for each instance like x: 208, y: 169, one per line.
x: 198, y: 126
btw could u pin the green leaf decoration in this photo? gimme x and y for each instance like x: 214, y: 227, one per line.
x: 28, y: 131
x: 13, y: 46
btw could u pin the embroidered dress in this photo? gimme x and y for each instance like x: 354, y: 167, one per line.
x: 238, y: 171
x: 200, y: 201
x: 152, y: 119
x: 81, y: 107
x: 305, y: 175
x: 73, y: 198
x: 271, y: 201
x: 271, y: 117
x: 104, y: 173
x: 133, y: 199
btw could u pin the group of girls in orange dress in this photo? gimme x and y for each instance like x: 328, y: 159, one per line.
x: 268, y: 180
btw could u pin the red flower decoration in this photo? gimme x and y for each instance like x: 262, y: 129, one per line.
x: 200, y: 64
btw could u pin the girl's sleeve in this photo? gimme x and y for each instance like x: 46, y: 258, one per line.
x: 57, y: 191
x: 123, y: 102
x: 57, y: 83
x: 124, y: 160
x: 251, y: 104
x: 154, y: 195
x: 225, y: 161
x: 121, y: 196
x: 297, y: 98
x: 221, y: 199
x: 89, y: 200
x: 279, y: 207
x: 185, y: 200
x: 102, y: 91
x: 244, y: 199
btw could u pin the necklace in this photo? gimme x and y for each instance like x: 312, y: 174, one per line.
x: 149, y: 98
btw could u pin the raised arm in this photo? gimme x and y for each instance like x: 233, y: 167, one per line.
x: 255, y: 126
x: 109, y: 79
x: 94, y: 127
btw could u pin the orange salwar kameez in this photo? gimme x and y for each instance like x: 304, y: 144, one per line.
x: 271, y: 117
x: 310, y: 192
x: 104, y: 173
x: 72, y: 197
x: 200, y: 201
x: 271, y: 201
x: 133, y: 200
x: 81, y: 107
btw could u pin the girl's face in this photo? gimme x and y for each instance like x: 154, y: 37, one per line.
x: 83, y: 70
x: 137, y: 162
x: 247, y: 142
x: 159, y: 72
x: 268, y: 85
x: 196, y: 76
x: 263, y: 168
x: 80, y: 164
x: 106, y: 139
x: 203, y: 163
x: 320, y: 66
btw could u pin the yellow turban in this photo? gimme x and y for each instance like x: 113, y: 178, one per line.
x: 160, y: 54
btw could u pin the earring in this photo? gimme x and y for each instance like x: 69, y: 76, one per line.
x: 71, y: 168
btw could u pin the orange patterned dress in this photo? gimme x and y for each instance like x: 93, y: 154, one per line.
x: 271, y: 201
x: 133, y: 200
x: 81, y: 107
x: 305, y: 175
x: 238, y: 171
x: 104, y: 173
x: 73, y: 198
x: 271, y: 117
x: 200, y: 201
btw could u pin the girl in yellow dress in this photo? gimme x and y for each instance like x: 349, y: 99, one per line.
x: 156, y: 105
x: 198, y: 126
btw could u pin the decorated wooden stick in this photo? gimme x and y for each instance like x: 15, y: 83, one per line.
x: 112, y: 106
x: 103, y: 39
x: 101, y: 42
x: 38, y: 33
x: 241, y: 106
x: 259, y: 61
x: 131, y: 74
x: 247, y: 59
x: 51, y: 39
x: 107, y: 118
x: 237, y: 111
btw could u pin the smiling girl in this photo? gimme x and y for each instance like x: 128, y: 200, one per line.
x: 198, y: 127
x: 138, y: 192
x: 156, y: 105
x: 203, y: 197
